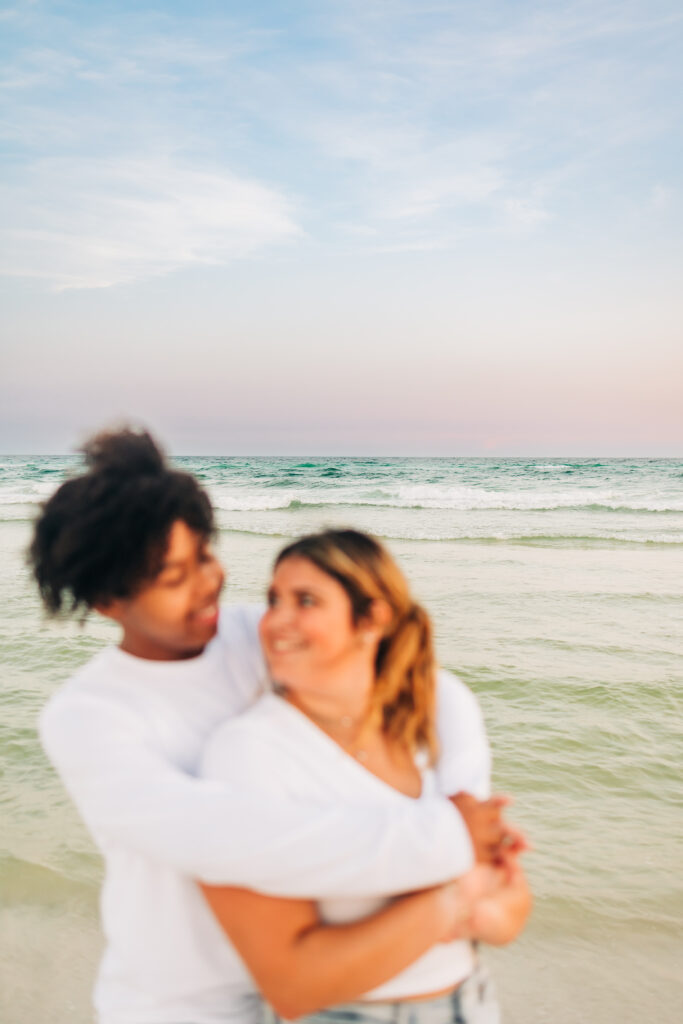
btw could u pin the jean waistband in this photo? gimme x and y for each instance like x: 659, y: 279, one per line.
x: 431, y: 1011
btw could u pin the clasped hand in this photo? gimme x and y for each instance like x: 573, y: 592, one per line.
x: 492, y: 901
x: 494, y: 840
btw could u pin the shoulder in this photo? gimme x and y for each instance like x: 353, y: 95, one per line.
x: 85, y: 709
x: 464, y: 758
x: 91, y: 685
x: 456, y: 702
x: 94, y: 687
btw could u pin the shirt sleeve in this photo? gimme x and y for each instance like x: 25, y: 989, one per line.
x: 465, y: 756
x: 230, y: 833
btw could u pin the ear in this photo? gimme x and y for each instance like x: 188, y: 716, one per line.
x: 113, y: 609
x: 379, y: 617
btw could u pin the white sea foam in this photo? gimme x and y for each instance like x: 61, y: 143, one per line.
x: 272, y: 485
x: 465, y: 536
x: 18, y: 502
x: 424, y: 496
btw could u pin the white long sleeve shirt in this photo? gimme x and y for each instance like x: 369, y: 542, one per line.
x: 285, y: 755
x: 126, y: 736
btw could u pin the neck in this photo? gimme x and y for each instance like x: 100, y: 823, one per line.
x: 149, y: 650
x: 340, y: 703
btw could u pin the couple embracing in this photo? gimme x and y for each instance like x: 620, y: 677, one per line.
x: 293, y: 806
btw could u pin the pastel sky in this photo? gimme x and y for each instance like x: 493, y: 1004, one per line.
x: 369, y: 226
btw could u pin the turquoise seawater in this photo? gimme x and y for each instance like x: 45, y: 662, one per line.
x: 556, y: 587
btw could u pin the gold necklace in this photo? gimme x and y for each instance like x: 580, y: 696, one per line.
x: 331, y: 725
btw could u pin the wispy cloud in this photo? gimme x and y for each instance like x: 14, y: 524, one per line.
x: 417, y: 122
x: 88, y: 223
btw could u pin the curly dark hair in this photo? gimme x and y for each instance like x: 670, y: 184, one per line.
x: 103, y: 534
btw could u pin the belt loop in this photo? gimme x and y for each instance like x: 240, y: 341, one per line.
x: 405, y: 1013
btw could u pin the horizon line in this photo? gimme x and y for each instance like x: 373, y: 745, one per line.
x: 337, y: 455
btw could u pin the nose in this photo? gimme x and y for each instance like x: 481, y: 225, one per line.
x: 213, y: 576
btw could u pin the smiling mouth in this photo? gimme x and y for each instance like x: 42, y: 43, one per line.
x: 284, y: 646
x: 207, y: 616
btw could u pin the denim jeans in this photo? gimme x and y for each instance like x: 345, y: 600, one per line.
x: 473, y: 1002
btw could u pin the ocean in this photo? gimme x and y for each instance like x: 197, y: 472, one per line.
x: 556, y: 588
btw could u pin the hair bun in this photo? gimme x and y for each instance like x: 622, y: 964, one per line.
x: 128, y: 451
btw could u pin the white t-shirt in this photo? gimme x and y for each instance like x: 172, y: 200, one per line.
x: 284, y: 754
x: 126, y: 736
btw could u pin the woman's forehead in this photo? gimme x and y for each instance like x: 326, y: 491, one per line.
x: 298, y: 570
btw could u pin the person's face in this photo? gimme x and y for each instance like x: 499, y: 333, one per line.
x: 174, y: 615
x: 308, y: 634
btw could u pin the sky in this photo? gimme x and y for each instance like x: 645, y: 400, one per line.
x: 358, y: 227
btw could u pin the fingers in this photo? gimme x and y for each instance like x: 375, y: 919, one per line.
x: 513, y: 846
x: 515, y: 840
x: 487, y: 831
x: 493, y: 839
x: 501, y: 800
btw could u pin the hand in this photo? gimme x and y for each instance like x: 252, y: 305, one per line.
x: 513, y: 844
x: 484, y: 821
x: 458, y: 902
x: 479, y: 904
x: 499, y: 916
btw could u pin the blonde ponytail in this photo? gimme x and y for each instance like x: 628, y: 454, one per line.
x: 405, y: 690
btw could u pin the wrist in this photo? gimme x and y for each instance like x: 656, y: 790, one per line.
x: 453, y: 912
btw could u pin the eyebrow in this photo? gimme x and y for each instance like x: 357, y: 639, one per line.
x: 273, y: 589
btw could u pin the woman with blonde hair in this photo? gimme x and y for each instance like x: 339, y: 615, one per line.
x: 352, y: 718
